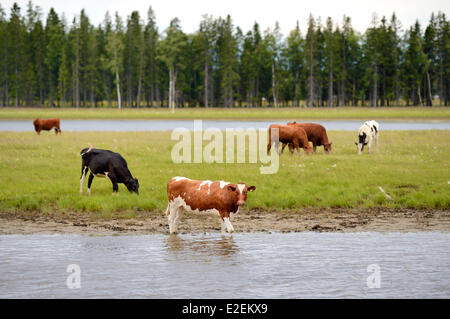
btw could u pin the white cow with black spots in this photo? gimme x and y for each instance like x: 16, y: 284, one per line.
x: 368, y: 132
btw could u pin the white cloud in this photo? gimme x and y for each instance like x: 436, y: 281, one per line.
x: 245, y: 12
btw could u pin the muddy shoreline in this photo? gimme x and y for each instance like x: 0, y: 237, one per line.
x: 323, y: 220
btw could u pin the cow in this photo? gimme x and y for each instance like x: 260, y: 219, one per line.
x: 219, y: 197
x: 317, y: 134
x: 46, y: 125
x: 104, y: 163
x: 289, y: 135
x: 366, y: 134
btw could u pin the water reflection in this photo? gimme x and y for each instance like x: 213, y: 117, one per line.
x: 223, y: 246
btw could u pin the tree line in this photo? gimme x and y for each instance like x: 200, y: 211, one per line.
x: 132, y: 63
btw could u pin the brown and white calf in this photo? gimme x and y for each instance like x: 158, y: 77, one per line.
x: 216, y: 197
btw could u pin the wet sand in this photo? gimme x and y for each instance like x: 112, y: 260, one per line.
x: 323, y: 220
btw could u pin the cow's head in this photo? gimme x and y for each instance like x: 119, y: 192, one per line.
x: 132, y: 185
x: 36, y: 122
x: 240, y: 190
x: 327, y: 147
x: 308, y: 149
x: 361, y: 142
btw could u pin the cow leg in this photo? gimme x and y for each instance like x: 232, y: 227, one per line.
x: 314, y: 147
x: 222, y: 227
x: 226, y: 221
x: 167, y: 212
x: 83, y: 175
x: 113, y: 179
x: 179, y: 211
x: 171, y: 217
x: 283, y: 147
x: 291, y: 148
x: 296, y: 146
x: 91, y: 177
x: 369, y: 145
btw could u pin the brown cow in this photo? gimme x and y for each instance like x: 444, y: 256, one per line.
x: 317, y: 134
x: 289, y: 134
x: 46, y: 125
x: 218, y: 197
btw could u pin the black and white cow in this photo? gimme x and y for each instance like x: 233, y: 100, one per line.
x: 367, y: 133
x: 103, y: 163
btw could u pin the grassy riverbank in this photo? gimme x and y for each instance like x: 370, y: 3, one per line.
x: 41, y: 174
x: 363, y: 113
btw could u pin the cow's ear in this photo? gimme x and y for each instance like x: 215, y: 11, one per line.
x: 251, y: 188
x: 231, y: 188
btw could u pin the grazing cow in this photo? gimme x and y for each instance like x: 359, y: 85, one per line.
x: 317, y: 134
x: 220, y: 197
x: 366, y: 134
x: 46, y: 125
x: 103, y: 163
x: 289, y: 135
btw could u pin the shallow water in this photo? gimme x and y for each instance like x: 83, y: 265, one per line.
x: 169, y: 125
x: 255, y: 265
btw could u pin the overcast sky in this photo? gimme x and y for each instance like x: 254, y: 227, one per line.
x: 245, y: 12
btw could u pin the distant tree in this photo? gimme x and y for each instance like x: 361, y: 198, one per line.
x: 206, y: 42
x: 396, y: 53
x: 64, y: 75
x: 443, y: 44
x: 228, y: 60
x: 4, y: 85
x: 151, y: 39
x: 330, y: 53
x: 171, y: 51
x: 373, y: 53
x: 294, y: 54
x: 273, y: 43
x: 415, y: 64
x: 311, y: 49
x: 114, y: 51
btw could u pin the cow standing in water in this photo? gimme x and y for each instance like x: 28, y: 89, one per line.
x: 103, y: 163
x: 317, y: 135
x: 46, y: 125
x: 366, y: 134
x: 218, y: 197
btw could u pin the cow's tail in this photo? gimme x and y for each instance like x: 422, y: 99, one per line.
x: 90, y: 148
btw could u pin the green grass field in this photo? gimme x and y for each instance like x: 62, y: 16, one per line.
x: 365, y: 113
x: 41, y: 173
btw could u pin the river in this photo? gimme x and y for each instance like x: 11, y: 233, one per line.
x: 247, y: 265
x: 169, y: 125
